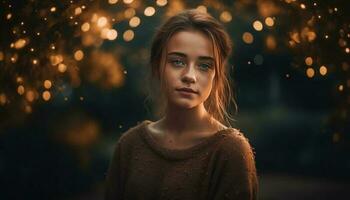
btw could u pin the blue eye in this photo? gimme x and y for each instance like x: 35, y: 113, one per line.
x: 205, y: 66
x: 177, y: 62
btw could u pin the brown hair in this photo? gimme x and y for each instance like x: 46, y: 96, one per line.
x: 221, y: 94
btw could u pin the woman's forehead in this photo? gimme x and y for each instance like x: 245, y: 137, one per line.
x: 191, y: 44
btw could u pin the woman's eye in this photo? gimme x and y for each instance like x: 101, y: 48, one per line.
x: 205, y: 66
x: 178, y: 62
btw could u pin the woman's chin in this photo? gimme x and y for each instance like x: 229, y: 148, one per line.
x: 184, y: 103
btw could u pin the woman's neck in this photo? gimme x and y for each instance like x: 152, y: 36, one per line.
x: 181, y: 121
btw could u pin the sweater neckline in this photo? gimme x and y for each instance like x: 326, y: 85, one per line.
x: 179, y: 153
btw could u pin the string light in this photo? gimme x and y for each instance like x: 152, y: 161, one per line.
x: 85, y: 27
x: 62, y: 67
x: 112, y: 1
x: 225, y: 16
x: 30, y: 95
x: 323, y: 70
x: 47, y: 84
x: 130, y: 12
x: 102, y: 21
x: 134, y: 21
x: 269, y: 21
x: 128, y: 1
x: 308, y: 61
x: 248, y: 38
x: 203, y: 9
x: 46, y: 95
x: 257, y: 25
x: 112, y: 34
x: 20, y: 89
x: 162, y: 2
x: 128, y: 35
x: 149, y: 11
x: 78, y: 55
x: 310, y: 72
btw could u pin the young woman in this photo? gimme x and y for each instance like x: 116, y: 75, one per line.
x: 192, y: 152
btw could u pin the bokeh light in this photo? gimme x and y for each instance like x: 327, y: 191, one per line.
x: 225, y: 16
x: 149, y: 11
x: 248, y: 38
x: 78, y: 55
x: 128, y: 35
x: 258, y: 26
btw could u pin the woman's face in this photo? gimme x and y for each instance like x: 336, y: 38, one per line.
x: 189, y: 63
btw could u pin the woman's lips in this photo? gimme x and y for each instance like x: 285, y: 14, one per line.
x: 186, y: 93
x: 187, y: 90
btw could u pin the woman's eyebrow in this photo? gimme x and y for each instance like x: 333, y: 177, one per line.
x: 185, y: 56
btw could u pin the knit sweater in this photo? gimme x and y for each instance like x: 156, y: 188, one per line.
x: 220, y: 167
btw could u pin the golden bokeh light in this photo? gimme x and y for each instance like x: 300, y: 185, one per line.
x: 8, y: 16
x: 112, y: 1
x: 128, y: 35
x: 104, y: 33
x: 3, y: 99
x: 78, y: 55
x: 134, y: 21
x: 53, y: 9
x: 30, y: 95
x: 47, y: 84
x: 149, y: 11
x: 101, y: 22
x: 46, y: 95
x: 130, y: 12
x: 28, y: 109
x: 35, y: 61
x: 202, y: 9
x: 257, y: 25
x: 20, y: 90
x: 347, y: 50
x: 340, y: 87
x: 128, y: 1
x: 112, y: 34
x: 323, y: 70
x: 2, y: 56
x: 62, y: 67
x: 78, y: 11
x: 85, y: 27
x: 308, y: 61
x: 271, y: 42
x: 310, y: 72
x: 248, y: 38
x: 269, y: 21
x: 20, y: 43
x: 19, y: 79
x: 56, y: 59
x: 225, y: 16
x: 302, y: 6
x: 162, y: 2
x: 14, y: 58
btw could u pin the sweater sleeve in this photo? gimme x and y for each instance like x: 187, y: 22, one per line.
x: 234, y: 176
x: 113, y: 178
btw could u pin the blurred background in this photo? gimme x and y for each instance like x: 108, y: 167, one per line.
x: 72, y: 80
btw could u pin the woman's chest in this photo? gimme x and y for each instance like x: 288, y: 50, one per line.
x: 150, y: 178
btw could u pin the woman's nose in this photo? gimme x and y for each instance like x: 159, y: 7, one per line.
x: 189, y: 74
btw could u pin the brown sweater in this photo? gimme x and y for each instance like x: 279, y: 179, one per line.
x: 221, y: 167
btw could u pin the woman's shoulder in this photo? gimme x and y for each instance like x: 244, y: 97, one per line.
x: 236, y: 143
x: 133, y: 132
